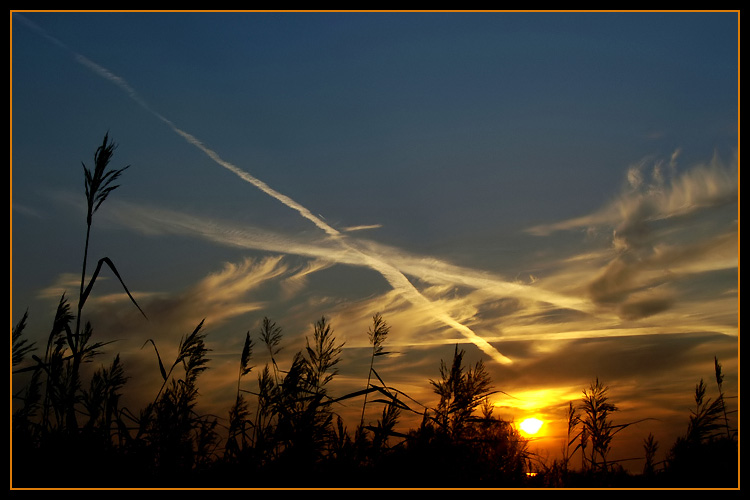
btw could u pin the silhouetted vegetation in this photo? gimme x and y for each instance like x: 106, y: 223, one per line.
x: 71, y: 432
x: 707, y: 454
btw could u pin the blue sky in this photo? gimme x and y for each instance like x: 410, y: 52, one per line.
x: 558, y: 192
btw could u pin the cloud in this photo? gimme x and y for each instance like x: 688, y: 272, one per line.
x: 492, y: 307
x: 395, y: 278
x: 432, y: 271
x: 417, y: 310
x: 651, y: 196
x: 637, y: 308
x: 664, y: 224
x: 20, y: 209
x: 655, y: 192
x: 297, y: 281
x: 62, y: 285
x: 391, y: 263
x: 389, y: 272
x: 218, y: 297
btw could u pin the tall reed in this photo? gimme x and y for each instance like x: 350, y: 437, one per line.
x: 377, y: 335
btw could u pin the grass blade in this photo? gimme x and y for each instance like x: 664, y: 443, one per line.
x: 106, y: 260
x: 161, y: 365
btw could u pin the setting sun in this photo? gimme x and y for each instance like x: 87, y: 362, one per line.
x: 531, y: 425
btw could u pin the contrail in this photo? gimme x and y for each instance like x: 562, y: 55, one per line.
x: 395, y: 278
x: 130, y: 91
x: 362, y: 228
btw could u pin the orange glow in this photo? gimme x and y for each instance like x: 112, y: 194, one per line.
x: 531, y: 426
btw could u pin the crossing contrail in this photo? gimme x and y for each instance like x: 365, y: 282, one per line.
x: 393, y: 276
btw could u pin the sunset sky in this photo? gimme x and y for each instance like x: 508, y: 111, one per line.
x: 557, y: 193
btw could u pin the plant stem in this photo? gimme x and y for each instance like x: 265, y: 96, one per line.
x: 369, y: 374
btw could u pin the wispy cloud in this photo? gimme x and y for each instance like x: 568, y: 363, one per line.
x: 350, y: 229
x: 298, y: 280
x: 150, y: 219
x: 655, y: 190
x: 62, y: 285
x: 218, y: 297
x: 495, y: 309
x: 664, y: 225
x: 394, y: 277
x: 26, y: 211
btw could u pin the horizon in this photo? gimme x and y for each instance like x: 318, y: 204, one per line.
x: 556, y: 194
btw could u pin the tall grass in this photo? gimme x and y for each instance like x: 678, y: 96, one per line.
x: 56, y: 396
x: 178, y: 438
x: 597, y: 423
x: 707, y: 455
x: 377, y: 335
x: 650, y: 446
x: 460, y: 392
x: 239, y: 413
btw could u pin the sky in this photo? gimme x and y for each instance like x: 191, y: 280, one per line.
x: 557, y: 194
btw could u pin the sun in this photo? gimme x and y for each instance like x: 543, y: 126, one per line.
x: 531, y: 426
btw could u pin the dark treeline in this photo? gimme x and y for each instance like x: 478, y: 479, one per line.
x: 71, y: 431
